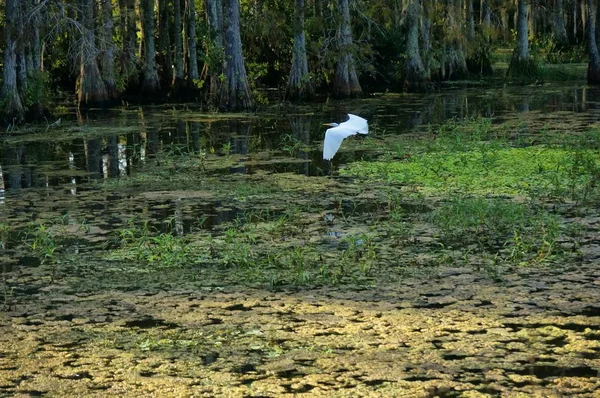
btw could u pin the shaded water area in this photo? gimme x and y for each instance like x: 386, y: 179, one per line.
x: 167, y: 251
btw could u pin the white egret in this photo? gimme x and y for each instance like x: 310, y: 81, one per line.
x: 336, y: 134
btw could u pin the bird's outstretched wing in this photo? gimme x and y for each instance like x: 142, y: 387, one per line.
x: 335, y: 135
x: 333, y: 139
x: 356, y: 123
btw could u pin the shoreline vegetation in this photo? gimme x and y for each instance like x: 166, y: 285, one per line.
x: 225, y: 54
x: 169, y: 228
x: 282, y: 283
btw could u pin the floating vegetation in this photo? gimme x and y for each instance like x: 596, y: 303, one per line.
x: 464, y: 253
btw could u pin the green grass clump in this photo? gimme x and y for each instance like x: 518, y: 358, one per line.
x: 140, y: 245
x: 519, y: 233
x: 460, y: 162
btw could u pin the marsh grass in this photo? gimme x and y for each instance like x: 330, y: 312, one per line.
x: 519, y: 233
x: 470, y: 193
x: 139, y: 244
x: 264, y: 247
x: 476, y: 157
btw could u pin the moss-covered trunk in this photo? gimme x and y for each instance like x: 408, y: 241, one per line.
x: 593, y: 74
x: 165, y: 55
x: 425, y: 47
x: 91, y: 90
x: 178, y: 76
x: 234, y: 90
x: 345, y: 81
x: 454, y: 63
x: 128, y: 61
x: 12, y: 106
x: 107, y: 47
x: 193, y: 74
x: 521, y: 66
x: 415, y: 78
x: 299, y: 86
x: 470, y: 20
x: 559, y: 28
x: 150, y: 81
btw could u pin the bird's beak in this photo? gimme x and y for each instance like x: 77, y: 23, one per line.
x: 328, y: 124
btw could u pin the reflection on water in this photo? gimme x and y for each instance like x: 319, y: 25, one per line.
x: 1, y: 186
x: 116, y: 143
x: 71, y: 162
x: 37, y: 164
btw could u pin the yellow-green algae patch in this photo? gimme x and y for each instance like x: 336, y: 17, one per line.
x: 499, y: 171
x: 411, y: 338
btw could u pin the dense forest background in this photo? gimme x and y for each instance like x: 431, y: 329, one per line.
x: 224, y: 53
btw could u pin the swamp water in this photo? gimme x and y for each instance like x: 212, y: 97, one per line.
x: 169, y: 252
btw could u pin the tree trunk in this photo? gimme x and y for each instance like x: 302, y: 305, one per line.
x: 593, y: 74
x: 455, y: 63
x: 22, y: 49
x: 193, y: 75
x: 107, y: 60
x: 479, y: 58
x: 235, y: 92
x: 345, y: 81
x: 470, y: 20
x: 521, y: 65
x: 299, y: 85
x: 558, y: 25
x: 164, y: 41
x: 37, y: 80
x: 214, y: 11
x: 215, y: 20
x: 150, y: 82
x: 12, y: 105
x: 582, y: 14
x: 22, y: 70
x: 415, y: 78
x: 426, y: 47
x: 178, y: 76
x: 504, y: 20
x: 575, y: 23
x: 486, y: 20
x: 91, y: 87
x: 37, y: 42
x: 127, y: 25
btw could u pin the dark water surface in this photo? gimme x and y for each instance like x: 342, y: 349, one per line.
x: 87, y: 311
x: 41, y: 161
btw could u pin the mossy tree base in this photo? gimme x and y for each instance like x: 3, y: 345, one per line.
x: 593, y: 73
x: 299, y: 88
x: 523, y: 69
x: 480, y: 64
x: 415, y: 78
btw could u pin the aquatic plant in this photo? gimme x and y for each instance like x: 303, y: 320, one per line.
x: 527, y: 232
x: 476, y: 158
x: 139, y: 243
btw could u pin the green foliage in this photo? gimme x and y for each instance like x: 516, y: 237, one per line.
x: 266, y: 35
x: 44, y: 243
x: 527, y: 233
x: 292, y: 145
x: 226, y: 149
x: 553, y: 52
x: 473, y: 157
x: 256, y: 71
x: 480, y: 53
x: 38, y: 90
x: 163, y: 250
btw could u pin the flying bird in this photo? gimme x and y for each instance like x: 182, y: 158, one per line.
x: 336, y: 134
